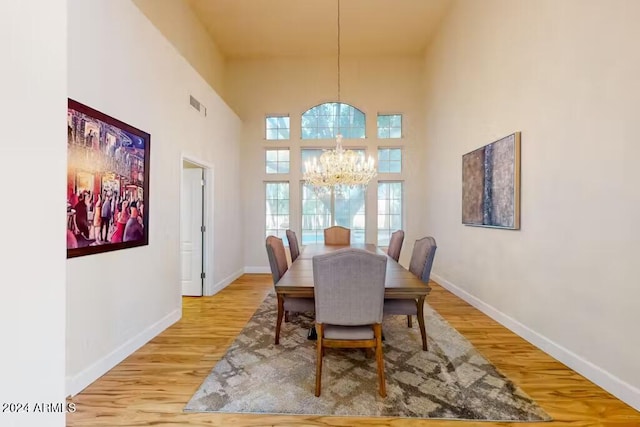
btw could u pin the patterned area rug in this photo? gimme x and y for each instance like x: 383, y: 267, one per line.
x: 450, y: 381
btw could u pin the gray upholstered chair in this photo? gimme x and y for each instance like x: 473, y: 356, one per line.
x: 424, y: 251
x: 395, y: 245
x: 293, y: 244
x: 349, y: 292
x: 337, y: 235
x: 278, y: 264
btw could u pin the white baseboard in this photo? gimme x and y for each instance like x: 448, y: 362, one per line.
x: 614, y: 385
x: 223, y: 283
x: 257, y: 270
x: 79, y: 382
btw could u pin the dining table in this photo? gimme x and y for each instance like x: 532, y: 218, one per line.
x: 400, y: 283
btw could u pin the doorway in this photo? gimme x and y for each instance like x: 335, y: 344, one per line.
x: 193, y: 230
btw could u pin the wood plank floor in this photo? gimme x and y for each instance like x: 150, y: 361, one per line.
x: 152, y: 386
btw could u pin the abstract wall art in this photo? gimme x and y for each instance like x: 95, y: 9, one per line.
x: 491, y: 184
x: 107, y: 183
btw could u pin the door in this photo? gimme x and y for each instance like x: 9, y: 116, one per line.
x: 192, y: 230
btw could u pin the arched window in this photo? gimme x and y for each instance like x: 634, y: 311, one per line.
x: 325, y: 121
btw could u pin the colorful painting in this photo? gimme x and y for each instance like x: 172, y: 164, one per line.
x: 491, y: 184
x: 107, y: 183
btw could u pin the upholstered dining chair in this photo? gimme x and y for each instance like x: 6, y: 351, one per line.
x: 349, y: 293
x: 337, y: 235
x: 395, y: 245
x: 293, y: 244
x: 278, y: 264
x: 424, y: 251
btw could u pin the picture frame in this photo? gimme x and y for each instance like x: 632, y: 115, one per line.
x: 491, y: 184
x: 107, y: 183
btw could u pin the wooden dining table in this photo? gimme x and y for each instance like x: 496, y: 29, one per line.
x: 400, y: 283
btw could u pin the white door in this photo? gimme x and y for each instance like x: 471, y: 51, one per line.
x: 191, y: 230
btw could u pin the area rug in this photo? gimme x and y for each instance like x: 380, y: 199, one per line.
x: 450, y: 381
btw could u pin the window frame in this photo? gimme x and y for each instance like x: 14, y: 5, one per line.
x: 278, y: 162
x: 282, y: 235
x: 389, y: 128
x: 277, y: 129
x: 402, y: 209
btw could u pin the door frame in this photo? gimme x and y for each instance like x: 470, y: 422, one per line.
x: 207, y: 206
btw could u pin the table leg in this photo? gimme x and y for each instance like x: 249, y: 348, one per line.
x: 423, y: 332
x: 280, y: 315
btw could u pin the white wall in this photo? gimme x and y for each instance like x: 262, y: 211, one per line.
x: 565, y: 74
x: 120, y: 64
x: 32, y: 170
x: 257, y: 88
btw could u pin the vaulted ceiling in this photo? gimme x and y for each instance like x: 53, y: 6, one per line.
x: 288, y: 28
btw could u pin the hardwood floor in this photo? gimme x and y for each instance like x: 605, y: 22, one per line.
x: 152, y: 386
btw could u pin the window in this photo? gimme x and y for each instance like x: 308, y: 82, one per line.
x: 389, y: 126
x: 277, y: 127
x: 389, y: 160
x: 277, y: 160
x: 346, y: 208
x: 277, y: 209
x: 389, y: 210
x: 325, y: 121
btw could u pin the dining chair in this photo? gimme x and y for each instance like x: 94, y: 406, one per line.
x: 395, y: 245
x: 349, y: 297
x: 337, y: 235
x: 424, y: 251
x: 278, y: 264
x: 293, y: 244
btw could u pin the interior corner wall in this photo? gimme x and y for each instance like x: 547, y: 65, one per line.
x: 179, y: 24
x: 260, y: 87
x: 121, y: 65
x: 32, y: 169
x: 565, y: 74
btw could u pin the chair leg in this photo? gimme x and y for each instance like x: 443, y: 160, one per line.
x: 409, y: 321
x: 279, y: 320
x: 286, y: 316
x: 319, y: 354
x: 377, y: 331
x: 423, y: 331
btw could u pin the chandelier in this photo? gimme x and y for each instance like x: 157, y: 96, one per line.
x: 339, y: 169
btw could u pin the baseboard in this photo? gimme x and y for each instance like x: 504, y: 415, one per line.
x: 224, y: 283
x: 614, y: 385
x: 257, y: 270
x: 79, y: 382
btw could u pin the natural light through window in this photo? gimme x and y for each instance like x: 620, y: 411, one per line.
x: 389, y: 210
x: 325, y: 121
x: 389, y: 126
x: 389, y: 160
x: 277, y: 209
x: 277, y: 127
x: 277, y: 160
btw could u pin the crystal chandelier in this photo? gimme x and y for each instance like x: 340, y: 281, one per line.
x: 339, y: 169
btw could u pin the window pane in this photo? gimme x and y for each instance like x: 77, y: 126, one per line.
x: 395, y: 154
x: 272, y: 167
x: 276, y: 208
x: 277, y: 127
x: 390, y: 126
x: 332, y: 118
x: 272, y: 155
x: 389, y: 210
x: 394, y: 167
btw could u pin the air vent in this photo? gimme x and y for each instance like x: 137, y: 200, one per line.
x: 194, y: 102
x: 197, y: 105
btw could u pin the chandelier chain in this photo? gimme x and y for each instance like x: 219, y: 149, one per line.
x: 338, y: 51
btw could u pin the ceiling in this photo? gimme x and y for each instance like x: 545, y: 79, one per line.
x: 293, y: 28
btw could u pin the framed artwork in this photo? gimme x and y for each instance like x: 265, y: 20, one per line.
x: 491, y: 184
x: 107, y: 183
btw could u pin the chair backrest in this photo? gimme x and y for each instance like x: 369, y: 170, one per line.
x: 395, y: 244
x: 293, y: 244
x: 349, y: 287
x: 277, y: 257
x: 337, y: 235
x: 424, y: 250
